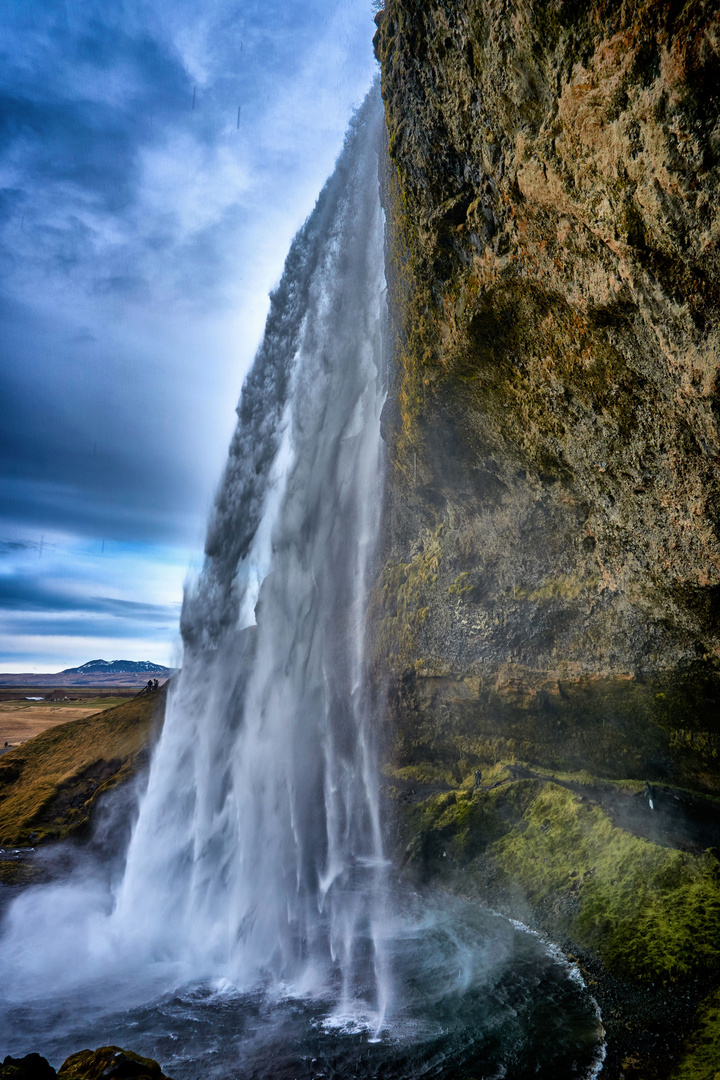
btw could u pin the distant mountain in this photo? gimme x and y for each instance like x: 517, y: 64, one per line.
x: 100, y: 673
x: 117, y: 667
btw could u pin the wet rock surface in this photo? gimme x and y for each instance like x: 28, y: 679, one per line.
x: 110, y: 1063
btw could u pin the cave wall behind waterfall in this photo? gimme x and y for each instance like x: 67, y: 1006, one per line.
x: 551, y: 584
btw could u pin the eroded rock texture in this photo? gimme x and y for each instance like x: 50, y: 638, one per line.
x: 551, y: 587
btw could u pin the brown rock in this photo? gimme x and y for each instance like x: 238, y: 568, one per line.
x: 109, y: 1063
x: 554, y: 504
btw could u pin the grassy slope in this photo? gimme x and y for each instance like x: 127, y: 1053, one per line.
x: 49, y: 785
x: 649, y: 912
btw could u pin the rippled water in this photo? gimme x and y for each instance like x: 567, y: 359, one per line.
x: 476, y: 996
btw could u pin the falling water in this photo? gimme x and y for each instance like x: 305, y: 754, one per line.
x: 258, y: 843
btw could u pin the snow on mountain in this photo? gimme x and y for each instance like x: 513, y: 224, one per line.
x: 117, y: 667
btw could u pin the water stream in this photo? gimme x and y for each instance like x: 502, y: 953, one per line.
x: 254, y: 930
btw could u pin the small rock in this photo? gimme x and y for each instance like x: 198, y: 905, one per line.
x: 30, y: 1067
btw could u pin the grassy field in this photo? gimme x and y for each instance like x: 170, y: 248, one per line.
x: 22, y: 720
x: 49, y: 785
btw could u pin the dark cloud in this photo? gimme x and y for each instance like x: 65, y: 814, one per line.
x: 135, y: 231
x: 87, y: 624
x: 12, y: 547
x: 24, y: 593
x: 73, y: 131
x: 82, y: 454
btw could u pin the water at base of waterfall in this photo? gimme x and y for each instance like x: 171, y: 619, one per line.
x: 475, y: 996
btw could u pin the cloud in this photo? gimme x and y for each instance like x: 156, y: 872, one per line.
x: 23, y: 594
x: 60, y: 586
x: 139, y: 238
x: 47, y: 653
x: 11, y: 547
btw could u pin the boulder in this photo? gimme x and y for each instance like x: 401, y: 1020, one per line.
x: 30, y: 1067
x: 110, y: 1063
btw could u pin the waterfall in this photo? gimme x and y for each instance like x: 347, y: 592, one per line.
x: 250, y: 930
x: 257, y: 852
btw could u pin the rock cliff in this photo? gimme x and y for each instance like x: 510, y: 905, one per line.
x: 555, y: 277
x: 547, y: 612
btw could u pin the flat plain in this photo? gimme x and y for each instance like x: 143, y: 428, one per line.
x: 21, y: 720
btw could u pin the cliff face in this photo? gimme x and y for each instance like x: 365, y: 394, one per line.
x: 551, y: 588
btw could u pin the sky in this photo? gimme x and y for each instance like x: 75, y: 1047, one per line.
x: 156, y: 158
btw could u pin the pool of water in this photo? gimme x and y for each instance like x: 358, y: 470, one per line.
x: 471, y: 995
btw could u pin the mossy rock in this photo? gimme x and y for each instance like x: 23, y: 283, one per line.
x: 701, y: 1060
x: 19, y: 872
x: 30, y: 1067
x: 664, y: 729
x: 110, y: 1063
x: 650, y: 913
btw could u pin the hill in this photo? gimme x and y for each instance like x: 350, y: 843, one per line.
x: 50, y: 784
x: 118, y: 667
x: 95, y: 673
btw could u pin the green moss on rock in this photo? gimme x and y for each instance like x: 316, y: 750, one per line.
x: 649, y: 912
x: 400, y: 605
x: 701, y: 1059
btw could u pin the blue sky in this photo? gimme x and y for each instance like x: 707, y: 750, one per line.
x: 139, y: 238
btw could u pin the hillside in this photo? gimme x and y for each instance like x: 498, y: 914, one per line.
x: 96, y: 673
x: 50, y: 785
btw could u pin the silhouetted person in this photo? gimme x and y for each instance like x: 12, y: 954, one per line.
x: 149, y: 685
x: 156, y: 685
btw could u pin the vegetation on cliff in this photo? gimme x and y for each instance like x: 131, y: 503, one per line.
x: 554, y: 265
x: 648, y: 911
x: 50, y: 785
x: 701, y: 1060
